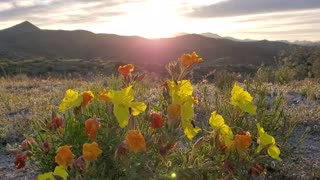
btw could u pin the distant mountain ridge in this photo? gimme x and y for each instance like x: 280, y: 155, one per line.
x: 23, y: 27
x: 26, y: 41
x: 216, y: 36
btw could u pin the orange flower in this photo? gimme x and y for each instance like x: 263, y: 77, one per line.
x: 20, y: 161
x: 91, y: 152
x: 173, y: 111
x: 56, y: 123
x: 103, y: 95
x: 64, y: 156
x: 87, y: 96
x: 156, y: 121
x: 189, y: 59
x: 126, y: 69
x: 135, y: 141
x: 91, y: 126
x: 242, y: 140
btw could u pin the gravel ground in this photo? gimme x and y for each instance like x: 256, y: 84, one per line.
x: 8, y: 170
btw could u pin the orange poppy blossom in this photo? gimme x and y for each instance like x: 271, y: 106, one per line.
x: 91, y: 152
x: 91, y: 127
x: 242, y: 140
x: 135, y: 141
x: 190, y: 59
x: 156, y: 121
x: 87, y: 96
x: 64, y: 156
x: 126, y: 69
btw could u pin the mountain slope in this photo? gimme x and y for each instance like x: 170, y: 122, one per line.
x: 23, y: 27
x: 26, y: 40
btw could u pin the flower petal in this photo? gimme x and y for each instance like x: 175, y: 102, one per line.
x: 274, y: 152
x: 138, y: 107
x: 122, y: 114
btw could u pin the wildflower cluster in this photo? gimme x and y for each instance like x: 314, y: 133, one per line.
x: 107, y: 132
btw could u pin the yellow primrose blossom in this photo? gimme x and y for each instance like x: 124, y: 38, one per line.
x: 72, y: 99
x: 216, y: 121
x: 179, y: 90
x: 264, y: 140
x: 181, y: 94
x: 122, y: 101
x: 242, y: 99
x: 58, y: 171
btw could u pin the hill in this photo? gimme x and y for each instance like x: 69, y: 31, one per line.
x: 25, y: 41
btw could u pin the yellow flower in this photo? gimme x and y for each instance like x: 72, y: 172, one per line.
x: 58, y: 171
x: 91, y: 151
x: 182, y: 101
x: 71, y: 100
x: 189, y: 59
x: 135, y: 141
x: 242, y: 99
x: 104, y: 96
x: 243, y: 140
x: 216, y: 121
x: 266, y: 140
x: 122, y: 101
x: 64, y: 156
x: 87, y: 96
x: 126, y: 69
x: 179, y: 90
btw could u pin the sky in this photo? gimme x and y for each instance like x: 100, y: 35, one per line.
x: 243, y: 19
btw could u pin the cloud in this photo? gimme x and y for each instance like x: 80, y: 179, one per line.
x: 46, y: 12
x: 248, y: 7
x: 293, y: 25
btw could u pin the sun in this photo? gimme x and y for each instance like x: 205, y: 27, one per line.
x: 153, y: 19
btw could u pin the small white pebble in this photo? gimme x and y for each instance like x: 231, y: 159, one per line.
x: 308, y: 129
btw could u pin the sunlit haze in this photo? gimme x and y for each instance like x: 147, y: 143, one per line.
x: 242, y: 19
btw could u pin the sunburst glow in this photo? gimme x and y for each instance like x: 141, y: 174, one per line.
x: 153, y: 19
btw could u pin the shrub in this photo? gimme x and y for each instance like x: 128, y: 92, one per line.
x: 114, y: 132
